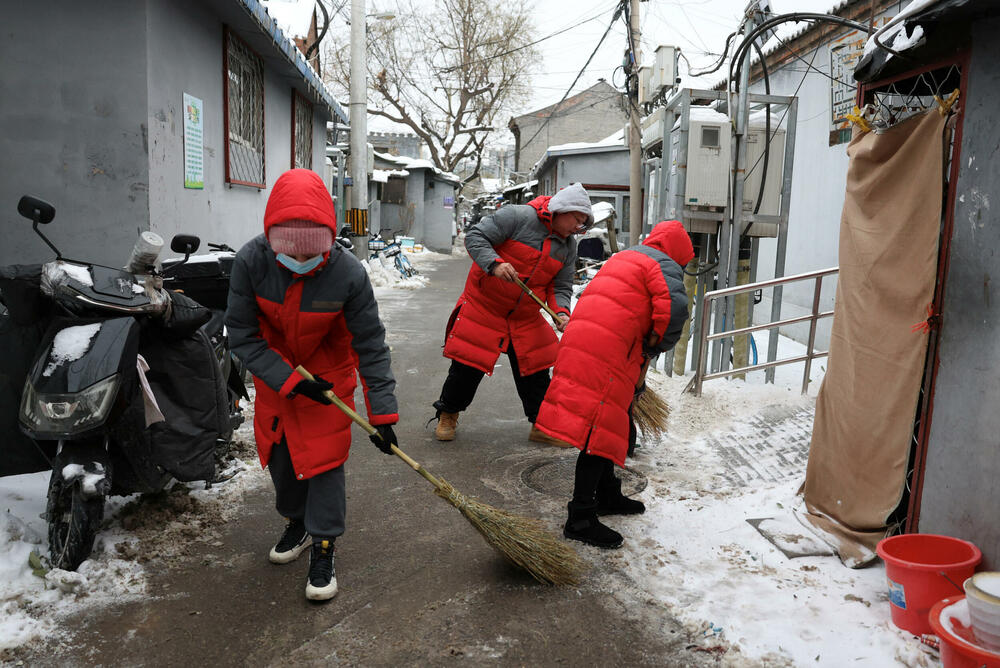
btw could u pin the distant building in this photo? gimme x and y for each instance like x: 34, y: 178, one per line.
x: 588, y: 116
x: 402, y: 144
x: 601, y: 167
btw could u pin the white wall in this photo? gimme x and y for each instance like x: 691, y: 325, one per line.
x: 224, y: 213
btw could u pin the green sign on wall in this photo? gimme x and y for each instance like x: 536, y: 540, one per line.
x: 194, y: 147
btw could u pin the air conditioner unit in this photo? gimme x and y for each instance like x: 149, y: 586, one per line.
x: 664, y: 73
x: 709, y: 153
x: 771, y: 201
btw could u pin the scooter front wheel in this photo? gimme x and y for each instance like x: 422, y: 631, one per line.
x: 74, y: 520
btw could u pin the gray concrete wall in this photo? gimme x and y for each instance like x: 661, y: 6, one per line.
x: 73, y: 113
x: 606, y: 167
x: 415, y: 202
x: 439, y: 222
x: 192, y: 36
x: 960, y: 496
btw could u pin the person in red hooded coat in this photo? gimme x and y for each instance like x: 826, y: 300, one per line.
x: 632, y: 310
x: 298, y: 298
x: 533, y: 242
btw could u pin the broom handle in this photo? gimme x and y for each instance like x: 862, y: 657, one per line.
x: 363, y: 423
x: 527, y: 291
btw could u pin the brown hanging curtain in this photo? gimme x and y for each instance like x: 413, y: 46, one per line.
x: 889, y: 233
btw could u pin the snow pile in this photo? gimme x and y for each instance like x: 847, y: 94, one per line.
x: 697, y: 555
x: 383, y: 274
x: 136, y: 530
x: 70, y: 344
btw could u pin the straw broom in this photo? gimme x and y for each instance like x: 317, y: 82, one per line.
x: 521, y: 540
x: 650, y: 411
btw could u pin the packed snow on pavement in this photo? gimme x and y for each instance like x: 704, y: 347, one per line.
x: 693, y: 553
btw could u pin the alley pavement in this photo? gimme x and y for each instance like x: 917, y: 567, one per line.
x: 418, y: 586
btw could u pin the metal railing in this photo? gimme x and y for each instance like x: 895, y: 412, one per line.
x: 701, y: 374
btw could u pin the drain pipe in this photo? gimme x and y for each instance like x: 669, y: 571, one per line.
x: 337, y: 154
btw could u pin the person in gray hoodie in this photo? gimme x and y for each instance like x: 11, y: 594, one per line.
x: 533, y: 242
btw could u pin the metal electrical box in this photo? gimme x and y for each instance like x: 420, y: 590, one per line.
x: 664, y: 73
x: 771, y: 201
x: 709, y: 154
x: 645, y: 94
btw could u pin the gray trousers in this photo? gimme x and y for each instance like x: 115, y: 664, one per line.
x: 320, y: 501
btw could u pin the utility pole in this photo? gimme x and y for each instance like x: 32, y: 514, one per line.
x: 635, y: 131
x: 358, y: 214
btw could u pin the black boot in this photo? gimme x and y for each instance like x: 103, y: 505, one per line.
x: 584, y: 526
x: 611, y: 501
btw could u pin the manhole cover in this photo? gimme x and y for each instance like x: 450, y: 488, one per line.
x: 556, y: 478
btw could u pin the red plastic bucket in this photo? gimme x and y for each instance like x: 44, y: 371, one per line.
x: 922, y: 569
x: 959, y: 648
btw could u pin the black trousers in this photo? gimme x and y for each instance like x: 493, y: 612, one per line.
x: 462, y: 382
x: 592, y: 471
x: 320, y: 502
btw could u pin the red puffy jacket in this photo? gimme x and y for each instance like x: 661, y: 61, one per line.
x: 637, y: 292
x: 327, y: 321
x: 491, y: 314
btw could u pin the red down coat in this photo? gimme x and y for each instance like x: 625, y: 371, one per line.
x: 491, y: 313
x: 638, y: 291
x: 327, y: 321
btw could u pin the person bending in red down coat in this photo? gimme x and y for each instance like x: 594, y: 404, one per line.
x: 632, y: 310
x: 297, y: 298
x: 533, y: 241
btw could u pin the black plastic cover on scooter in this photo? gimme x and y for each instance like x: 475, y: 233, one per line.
x: 191, y: 393
x: 24, y: 317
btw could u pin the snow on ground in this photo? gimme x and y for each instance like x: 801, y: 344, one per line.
x: 735, y: 454
x: 136, y: 529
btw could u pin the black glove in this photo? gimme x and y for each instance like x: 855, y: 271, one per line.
x: 384, y: 438
x: 313, y: 389
x: 638, y: 392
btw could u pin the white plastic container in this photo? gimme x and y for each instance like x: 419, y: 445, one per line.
x: 982, y: 591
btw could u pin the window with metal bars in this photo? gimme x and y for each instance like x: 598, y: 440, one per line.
x: 302, y: 129
x: 243, y: 97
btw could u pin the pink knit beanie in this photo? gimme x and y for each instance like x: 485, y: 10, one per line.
x: 300, y: 237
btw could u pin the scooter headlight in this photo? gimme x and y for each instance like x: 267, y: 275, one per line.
x: 68, y: 413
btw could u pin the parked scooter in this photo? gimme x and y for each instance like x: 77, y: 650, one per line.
x: 122, y: 389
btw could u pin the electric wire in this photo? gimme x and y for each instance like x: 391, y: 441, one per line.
x: 614, y: 19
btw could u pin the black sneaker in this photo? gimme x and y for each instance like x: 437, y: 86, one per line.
x: 292, y: 543
x: 322, y: 582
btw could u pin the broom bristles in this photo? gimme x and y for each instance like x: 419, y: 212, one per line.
x: 650, y: 414
x: 521, y: 540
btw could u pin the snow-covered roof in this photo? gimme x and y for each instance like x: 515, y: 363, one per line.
x: 526, y: 185
x: 894, y: 34
x: 269, y: 26
x: 382, y: 175
x: 616, y: 140
x: 407, y: 164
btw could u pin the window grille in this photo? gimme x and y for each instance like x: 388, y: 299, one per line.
x: 302, y: 130
x: 394, y: 191
x: 244, y: 98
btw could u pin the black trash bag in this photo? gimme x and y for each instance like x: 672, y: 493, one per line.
x: 187, y: 382
x: 25, y: 314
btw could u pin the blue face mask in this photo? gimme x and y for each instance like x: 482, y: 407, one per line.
x: 299, y: 267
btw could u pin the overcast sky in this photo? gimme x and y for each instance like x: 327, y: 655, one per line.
x: 698, y: 27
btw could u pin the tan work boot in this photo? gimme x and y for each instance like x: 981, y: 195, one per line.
x: 539, y: 436
x: 447, y: 424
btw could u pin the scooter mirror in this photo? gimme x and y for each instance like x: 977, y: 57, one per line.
x: 185, y: 244
x: 36, y: 210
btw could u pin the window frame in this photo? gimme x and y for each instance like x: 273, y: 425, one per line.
x: 227, y: 35
x: 299, y: 101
